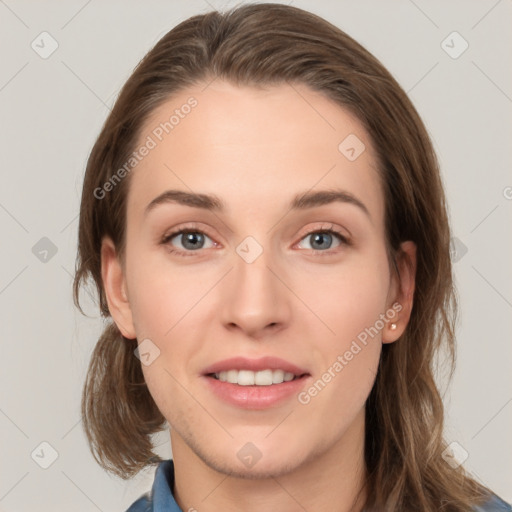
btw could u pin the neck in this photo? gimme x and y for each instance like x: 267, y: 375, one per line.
x: 332, y: 480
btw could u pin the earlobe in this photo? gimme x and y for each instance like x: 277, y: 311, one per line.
x: 115, y: 289
x: 402, y: 300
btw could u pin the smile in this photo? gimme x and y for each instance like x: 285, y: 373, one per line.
x: 250, y: 378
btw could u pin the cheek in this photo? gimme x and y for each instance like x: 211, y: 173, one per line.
x: 163, y: 295
x: 350, y: 300
x: 347, y: 362
x: 167, y: 304
x: 351, y: 303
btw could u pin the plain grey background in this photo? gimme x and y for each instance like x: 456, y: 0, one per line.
x: 53, y: 108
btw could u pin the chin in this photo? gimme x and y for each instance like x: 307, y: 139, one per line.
x: 262, y: 469
x: 252, y: 452
x: 261, y: 459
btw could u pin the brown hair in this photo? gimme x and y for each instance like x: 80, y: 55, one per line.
x: 265, y: 44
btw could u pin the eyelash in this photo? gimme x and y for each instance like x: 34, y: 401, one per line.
x: 191, y: 229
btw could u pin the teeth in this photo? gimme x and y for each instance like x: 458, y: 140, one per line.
x: 245, y: 378
x: 277, y: 376
x: 250, y: 378
x: 263, y: 378
x: 231, y: 376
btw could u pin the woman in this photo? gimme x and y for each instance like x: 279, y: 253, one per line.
x: 264, y: 219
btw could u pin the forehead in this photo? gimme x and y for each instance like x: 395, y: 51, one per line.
x: 254, y: 146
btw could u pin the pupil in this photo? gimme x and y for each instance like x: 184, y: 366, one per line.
x: 192, y: 238
x: 320, y: 236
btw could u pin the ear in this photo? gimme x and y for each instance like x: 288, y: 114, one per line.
x: 115, y: 289
x: 400, y: 299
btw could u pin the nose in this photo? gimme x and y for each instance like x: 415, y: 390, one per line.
x: 257, y: 301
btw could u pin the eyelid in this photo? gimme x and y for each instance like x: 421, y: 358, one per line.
x: 330, y: 227
x: 189, y: 227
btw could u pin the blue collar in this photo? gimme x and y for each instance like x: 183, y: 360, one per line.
x: 161, y: 499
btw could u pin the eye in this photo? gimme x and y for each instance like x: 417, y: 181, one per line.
x: 321, y: 240
x: 191, y: 240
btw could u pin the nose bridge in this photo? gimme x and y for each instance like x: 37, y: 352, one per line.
x: 256, y: 298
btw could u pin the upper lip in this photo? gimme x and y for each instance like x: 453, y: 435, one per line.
x: 263, y: 363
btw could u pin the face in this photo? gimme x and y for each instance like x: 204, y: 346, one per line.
x: 271, y: 280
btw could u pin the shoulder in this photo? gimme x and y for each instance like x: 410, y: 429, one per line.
x: 495, y: 504
x: 143, y: 504
x: 160, y: 497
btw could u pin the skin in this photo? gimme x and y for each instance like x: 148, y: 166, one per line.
x: 256, y: 149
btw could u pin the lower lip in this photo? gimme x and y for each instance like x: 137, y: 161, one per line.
x: 255, y: 397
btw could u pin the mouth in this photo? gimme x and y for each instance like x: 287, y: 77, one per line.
x: 267, y: 377
x: 265, y: 371
x: 255, y: 383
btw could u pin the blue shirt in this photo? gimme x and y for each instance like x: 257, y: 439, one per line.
x: 160, y: 498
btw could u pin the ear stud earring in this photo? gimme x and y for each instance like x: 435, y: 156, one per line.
x: 392, y: 327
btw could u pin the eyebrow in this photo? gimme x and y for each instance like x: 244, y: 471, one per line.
x: 211, y: 202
